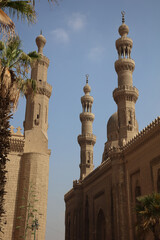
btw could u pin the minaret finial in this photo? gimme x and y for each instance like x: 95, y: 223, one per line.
x: 123, y: 19
x: 87, y: 75
x: 41, y: 32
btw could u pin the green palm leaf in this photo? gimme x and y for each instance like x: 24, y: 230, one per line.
x: 148, y: 214
x: 15, y: 65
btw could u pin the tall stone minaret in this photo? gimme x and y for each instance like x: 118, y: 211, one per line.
x: 125, y: 95
x: 34, y: 167
x: 86, y: 140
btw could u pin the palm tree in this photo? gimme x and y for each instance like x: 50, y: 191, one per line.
x: 148, y: 215
x: 14, y: 69
x: 23, y: 9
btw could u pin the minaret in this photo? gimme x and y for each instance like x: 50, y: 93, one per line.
x: 86, y: 140
x: 37, y: 108
x: 125, y: 95
x: 34, y: 166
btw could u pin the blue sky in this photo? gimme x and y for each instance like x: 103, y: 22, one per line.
x: 81, y: 39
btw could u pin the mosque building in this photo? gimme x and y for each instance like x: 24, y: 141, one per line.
x: 100, y: 206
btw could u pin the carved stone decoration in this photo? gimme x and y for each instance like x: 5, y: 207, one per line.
x: 16, y: 144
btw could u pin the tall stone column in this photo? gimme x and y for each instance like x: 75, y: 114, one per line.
x: 86, y: 140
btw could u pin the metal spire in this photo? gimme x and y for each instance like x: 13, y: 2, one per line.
x: 87, y: 75
x: 123, y: 19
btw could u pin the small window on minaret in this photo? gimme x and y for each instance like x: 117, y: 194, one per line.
x: 39, y: 111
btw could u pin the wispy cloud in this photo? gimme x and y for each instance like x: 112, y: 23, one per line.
x: 77, y: 21
x: 96, y: 53
x: 60, y: 35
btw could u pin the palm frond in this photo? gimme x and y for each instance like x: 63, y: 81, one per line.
x: 53, y: 1
x: 6, y: 25
x: 34, y: 55
x: 25, y: 86
x: 148, y: 212
x: 23, y: 9
x: 15, y: 67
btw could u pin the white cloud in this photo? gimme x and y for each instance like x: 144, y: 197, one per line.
x: 96, y: 53
x: 77, y: 21
x: 60, y: 35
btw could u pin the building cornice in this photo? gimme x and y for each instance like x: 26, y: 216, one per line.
x: 143, y: 136
x: 124, y: 64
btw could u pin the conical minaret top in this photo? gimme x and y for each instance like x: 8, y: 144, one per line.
x: 126, y: 94
x: 86, y: 140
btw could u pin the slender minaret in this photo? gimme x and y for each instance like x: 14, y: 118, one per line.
x: 125, y: 95
x: 34, y: 167
x: 86, y: 140
x: 37, y: 109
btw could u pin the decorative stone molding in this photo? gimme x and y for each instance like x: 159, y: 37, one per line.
x: 18, y: 133
x: 86, y: 98
x: 128, y: 93
x: 44, y: 88
x: 124, y: 64
x: 144, y: 133
x: 127, y: 87
x: 42, y: 61
x: 114, y: 153
x: 125, y: 41
x: 86, y: 116
x: 87, y: 139
x: 16, y: 145
x: 17, y: 140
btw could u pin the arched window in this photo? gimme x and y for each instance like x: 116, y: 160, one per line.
x: 137, y: 190
x: 101, y: 226
x: 87, y: 219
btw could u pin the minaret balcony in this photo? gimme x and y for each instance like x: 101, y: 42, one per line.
x: 87, y: 116
x: 86, y: 98
x: 124, y: 41
x: 125, y: 92
x: 87, y: 138
x: 124, y: 64
x: 44, y: 88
